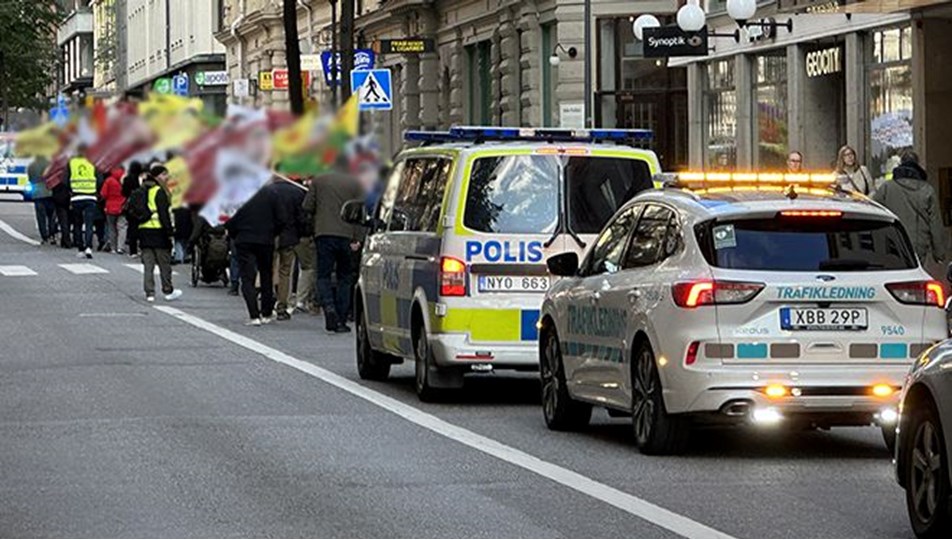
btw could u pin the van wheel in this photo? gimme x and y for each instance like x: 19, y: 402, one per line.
x: 927, y: 475
x: 371, y: 365
x: 423, y: 357
x: 562, y: 413
x: 656, y: 431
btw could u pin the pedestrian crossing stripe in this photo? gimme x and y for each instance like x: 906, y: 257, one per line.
x: 16, y: 271
x: 139, y: 268
x: 373, y: 88
x: 83, y: 268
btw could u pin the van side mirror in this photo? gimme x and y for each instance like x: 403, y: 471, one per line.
x: 563, y: 264
x: 354, y: 212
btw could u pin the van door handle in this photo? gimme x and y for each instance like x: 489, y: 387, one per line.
x: 634, y: 295
x: 595, y: 297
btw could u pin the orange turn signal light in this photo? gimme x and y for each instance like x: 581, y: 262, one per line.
x: 776, y: 391
x: 883, y: 390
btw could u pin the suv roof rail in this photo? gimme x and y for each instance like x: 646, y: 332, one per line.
x: 480, y: 134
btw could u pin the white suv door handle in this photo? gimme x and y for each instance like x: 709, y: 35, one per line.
x: 634, y: 294
x: 596, y: 296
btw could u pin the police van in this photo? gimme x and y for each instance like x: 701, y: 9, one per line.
x: 13, y: 170
x: 453, y: 270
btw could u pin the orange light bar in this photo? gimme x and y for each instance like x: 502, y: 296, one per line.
x: 757, y: 177
x: 811, y: 213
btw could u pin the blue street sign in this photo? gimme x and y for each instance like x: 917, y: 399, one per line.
x: 373, y: 89
x: 180, y: 84
x: 363, y: 59
x: 59, y: 115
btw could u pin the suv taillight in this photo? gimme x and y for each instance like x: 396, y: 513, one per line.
x: 706, y: 293
x: 452, y: 277
x: 928, y: 293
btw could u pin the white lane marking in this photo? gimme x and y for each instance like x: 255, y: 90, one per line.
x: 113, y: 314
x: 139, y: 268
x: 17, y: 234
x: 16, y: 271
x: 83, y: 268
x: 626, y: 502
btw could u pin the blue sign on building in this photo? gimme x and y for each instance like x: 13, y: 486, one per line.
x: 363, y: 60
x: 373, y: 88
x: 180, y: 84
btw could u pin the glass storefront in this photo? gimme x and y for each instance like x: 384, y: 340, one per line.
x: 890, y: 99
x: 720, y: 110
x: 638, y: 92
x: 770, y: 102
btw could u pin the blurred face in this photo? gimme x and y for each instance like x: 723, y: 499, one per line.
x: 849, y: 157
x: 794, y: 162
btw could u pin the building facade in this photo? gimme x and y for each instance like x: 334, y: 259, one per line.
x: 109, y: 47
x: 170, y: 38
x: 74, y: 37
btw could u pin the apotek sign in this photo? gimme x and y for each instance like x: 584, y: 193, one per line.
x: 824, y: 62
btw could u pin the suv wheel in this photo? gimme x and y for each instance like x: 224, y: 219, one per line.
x: 371, y: 365
x: 562, y: 413
x: 927, y: 476
x: 656, y: 431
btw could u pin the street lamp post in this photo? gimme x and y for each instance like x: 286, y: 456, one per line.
x: 691, y: 18
x: 587, y: 16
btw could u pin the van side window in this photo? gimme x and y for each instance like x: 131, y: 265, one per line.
x: 419, y: 197
x: 385, y: 207
x: 647, y: 242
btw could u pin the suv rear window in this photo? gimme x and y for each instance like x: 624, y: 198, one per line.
x: 513, y: 195
x: 599, y: 186
x: 805, y: 245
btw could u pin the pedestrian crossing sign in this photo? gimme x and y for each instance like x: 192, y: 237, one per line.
x: 373, y: 89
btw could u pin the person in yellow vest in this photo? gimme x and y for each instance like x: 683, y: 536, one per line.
x: 82, y: 187
x: 155, y: 236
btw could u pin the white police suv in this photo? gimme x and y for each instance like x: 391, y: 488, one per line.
x: 453, y: 271
x: 761, y: 298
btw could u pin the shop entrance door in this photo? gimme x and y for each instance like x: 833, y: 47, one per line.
x: 666, y: 114
x: 824, y: 106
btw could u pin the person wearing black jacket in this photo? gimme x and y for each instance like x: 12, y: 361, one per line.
x: 155, y: 240
x: 290, y: 195
x: 254, y: 228
x: 130, y: 183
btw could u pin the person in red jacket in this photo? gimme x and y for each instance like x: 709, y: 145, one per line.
x: 111, y: 194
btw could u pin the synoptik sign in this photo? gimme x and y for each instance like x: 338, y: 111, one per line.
x: 672, y: 41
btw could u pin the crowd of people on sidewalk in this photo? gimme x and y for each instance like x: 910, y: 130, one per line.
x: 285, y: 250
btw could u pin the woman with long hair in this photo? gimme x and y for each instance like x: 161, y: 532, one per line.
x: 852, y: 176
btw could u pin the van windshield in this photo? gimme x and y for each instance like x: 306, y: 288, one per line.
x: 806, y: 245
x: 599, y: 186
x: 513, y: 195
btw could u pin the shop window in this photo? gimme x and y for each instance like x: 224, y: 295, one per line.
x: 480, y: 84
x: 890, y: 100
x: 770, y: 93
x: 720, y: 110
x: 548, y: 45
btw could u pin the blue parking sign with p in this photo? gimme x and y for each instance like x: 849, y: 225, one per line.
x: 373, y: 89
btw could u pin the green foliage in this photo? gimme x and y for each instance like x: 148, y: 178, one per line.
x: 28, y: 47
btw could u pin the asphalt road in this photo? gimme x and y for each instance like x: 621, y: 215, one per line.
x: 119, y: 418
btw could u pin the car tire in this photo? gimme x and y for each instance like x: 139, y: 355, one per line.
x: 656, y: 432
x: 561, y: 412
x: 371, y: 365
x: 889, y: 437
x: 423, y: 363
x: 927, y: 475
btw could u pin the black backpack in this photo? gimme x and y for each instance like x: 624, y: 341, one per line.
x: 137, y: 207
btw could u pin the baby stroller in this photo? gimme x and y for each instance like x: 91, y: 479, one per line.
x: 210, y: 256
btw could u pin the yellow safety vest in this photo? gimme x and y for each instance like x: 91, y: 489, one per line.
x: 82, y: 176
x: 154, y: 221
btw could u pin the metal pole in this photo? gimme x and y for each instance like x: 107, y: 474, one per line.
x: 346, y: 47
x: 587, y: 16
x: 334, y: 53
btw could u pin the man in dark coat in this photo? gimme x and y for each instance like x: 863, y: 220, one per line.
x: 254, y: 228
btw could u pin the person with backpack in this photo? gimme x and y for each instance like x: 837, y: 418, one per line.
x: 148, y: 208
x: 910, y: 196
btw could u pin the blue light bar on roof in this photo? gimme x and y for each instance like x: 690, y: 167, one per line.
x: 489, y: 133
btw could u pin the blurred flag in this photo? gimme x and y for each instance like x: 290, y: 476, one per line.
x: 174, y: 120
x: 41, y: 141
x: 241, y: 178
x: 317, y: 151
